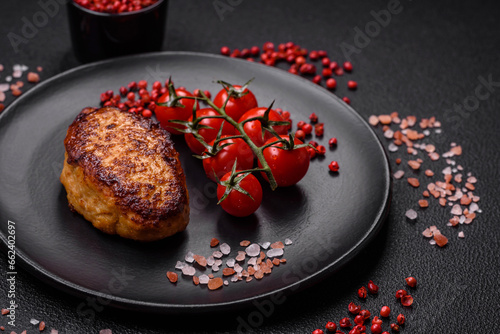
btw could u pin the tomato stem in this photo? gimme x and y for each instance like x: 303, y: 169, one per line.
x: 258, y: 151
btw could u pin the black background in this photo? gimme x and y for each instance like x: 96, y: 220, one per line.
x: 427, y: 59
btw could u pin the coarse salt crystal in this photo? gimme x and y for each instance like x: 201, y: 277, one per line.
x: 105, y: 331
x: 473, y: 207
x: 241, y: 256
x: 471, y: 179
x: 238, y: 268
x: 188, y: 271
x: 392, y: 147
x: 389, y: 134
x: 252, y: 261
x: 399, y: 174
x: 215, y: 268
x: 204, y: 279
x: 456, y: 210
x: 427, y: 132
x: 438, y: 131
x: 427, y: 233
x: 218, y: 262
x: 225, y: 249
x: 54, y: 331
x: 189, y: 257
x: 461, y: 234
x: 411, y: 214
x: 253, y: 250
x: 217, y: 254
x: 4, y: 87
x: 432, y: 242
x: 17, y: 74
x: 8, y: 78
x: 265, y: 245
x: 288, y: 242
x: 226, y: 283
x: 461, y: 220
x: 180, y: 265
x: 275, y: 252
x: 234, y: 278
x: 34, y: 322
x: 230, y: 263
x: 447, y: 170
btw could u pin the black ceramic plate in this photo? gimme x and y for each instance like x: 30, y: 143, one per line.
x: 329, y: 217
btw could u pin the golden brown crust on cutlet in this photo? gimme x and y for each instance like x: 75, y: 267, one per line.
x: 131, y: 161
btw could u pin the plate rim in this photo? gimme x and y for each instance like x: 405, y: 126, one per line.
x: 152, y: 307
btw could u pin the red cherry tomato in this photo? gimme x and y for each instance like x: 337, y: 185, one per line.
x: 165, y: 114
x: 236, y: 106
x: 207, y: 134
x: 218, y: 165
x: 254, y: 129
x: 288, y: 166
x: 239, y: 204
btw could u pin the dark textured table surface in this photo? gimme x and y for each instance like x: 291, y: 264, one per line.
x: 426, y: 61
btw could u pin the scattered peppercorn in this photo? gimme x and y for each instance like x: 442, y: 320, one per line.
x: 372, y: 288
x: 345, y: 323
x: 411, y: 281
x: 331, y: 326
x: 334, y: 166
x: 385, y: 311
x: 362, y: 292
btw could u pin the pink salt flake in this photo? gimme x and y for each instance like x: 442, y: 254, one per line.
x: 454, y: 221
x: 461, y: 234
x: 456, y: 210
x: 399, y: 174
x: 389, y: 134
x: 427, y: 233
x: 434, y: 156
x: 440, y: 239
x: 471, y: 179
x: 33, y: 77
x: 457, y: 150
x: 373, y: 120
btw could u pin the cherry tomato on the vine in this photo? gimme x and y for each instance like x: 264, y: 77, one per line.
x: 218, y: 165
x: 237, y: 105
x: 237, y: 203
x: 165, y: 114
x: 207, y: 134
x: 288, y: 166
x: 254, y: 128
